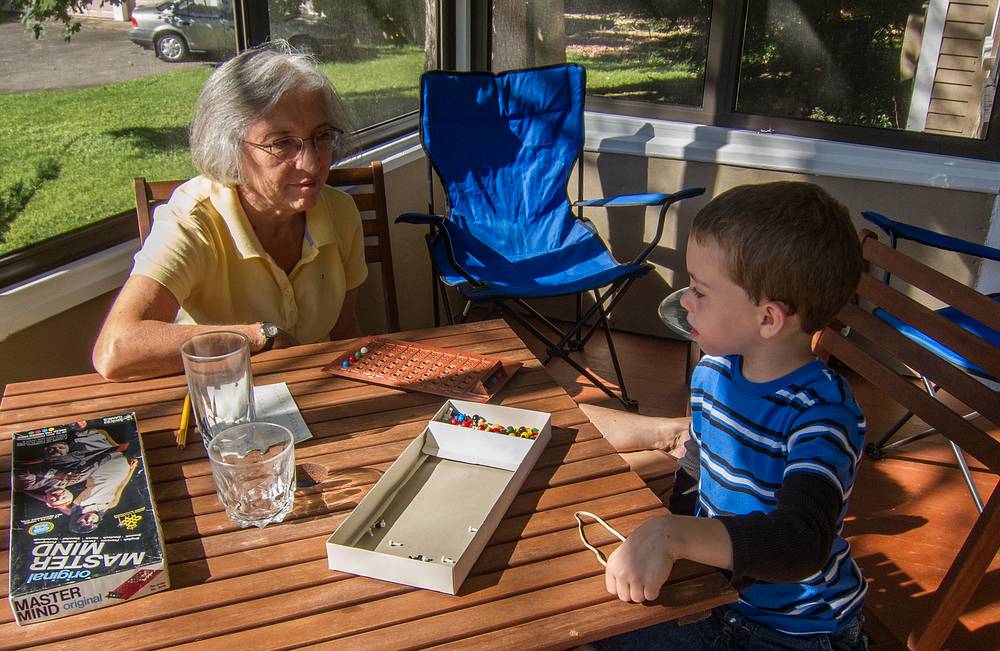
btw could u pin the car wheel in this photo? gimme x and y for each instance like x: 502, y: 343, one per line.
x: 171, y: 47
x: 305, y: 45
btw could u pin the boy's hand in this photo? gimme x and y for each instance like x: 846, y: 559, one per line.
x: 640, y: 566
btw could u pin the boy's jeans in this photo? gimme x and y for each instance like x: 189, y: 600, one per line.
x: 726, y: 629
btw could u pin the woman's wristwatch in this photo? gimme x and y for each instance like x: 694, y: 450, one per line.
x: 269, y: 331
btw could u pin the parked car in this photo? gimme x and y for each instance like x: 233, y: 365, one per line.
x: 176, y: 28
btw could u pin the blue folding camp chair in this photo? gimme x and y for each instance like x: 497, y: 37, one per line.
x: 503, y: 146
x: 900, y: 231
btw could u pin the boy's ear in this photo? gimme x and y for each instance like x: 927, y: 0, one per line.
x: 774, y: 317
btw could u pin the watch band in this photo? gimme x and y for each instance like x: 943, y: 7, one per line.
x: 270, y: 332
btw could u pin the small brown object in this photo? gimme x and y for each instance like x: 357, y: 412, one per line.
x: 309, y: 474
x: 417, y: 367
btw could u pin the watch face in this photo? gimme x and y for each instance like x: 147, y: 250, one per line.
x: 269, y: 330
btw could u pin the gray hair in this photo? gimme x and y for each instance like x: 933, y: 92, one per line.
x: 244, y: 90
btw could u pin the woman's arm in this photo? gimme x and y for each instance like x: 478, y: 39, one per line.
x: 347, y: 322
x: 140, y: 340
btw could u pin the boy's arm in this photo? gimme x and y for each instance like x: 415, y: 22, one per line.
x: 791, y: 542
x: 640, y: 566
x: 787, y: 544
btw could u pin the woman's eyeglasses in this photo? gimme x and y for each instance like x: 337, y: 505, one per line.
x: 289, y: 147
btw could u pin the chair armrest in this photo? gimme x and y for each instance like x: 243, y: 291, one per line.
x: 648, y: 199
x: 439, y: 229
x: 667, y: 201
x: 645, y: 199
x: 420, y: 218
x: 926, y: 237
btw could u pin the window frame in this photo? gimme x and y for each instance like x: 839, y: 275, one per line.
x: 722, y: 67
x: 252, y: 24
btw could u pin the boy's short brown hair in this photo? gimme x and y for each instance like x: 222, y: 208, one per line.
x: 786, y: 241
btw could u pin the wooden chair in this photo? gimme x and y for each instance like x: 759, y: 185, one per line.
x: 872, y: 340
x: 370, y: 202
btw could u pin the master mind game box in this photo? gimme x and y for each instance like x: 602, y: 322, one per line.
x: 84, y: 532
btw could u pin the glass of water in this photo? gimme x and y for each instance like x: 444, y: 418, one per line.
x: 217, y: 366
x: 253, y: 466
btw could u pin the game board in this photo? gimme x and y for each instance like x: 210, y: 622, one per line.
x: 417, y: 367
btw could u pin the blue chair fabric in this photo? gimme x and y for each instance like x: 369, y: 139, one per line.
x: 504, y: 146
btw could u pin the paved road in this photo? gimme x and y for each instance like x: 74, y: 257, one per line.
x: 99, y: 54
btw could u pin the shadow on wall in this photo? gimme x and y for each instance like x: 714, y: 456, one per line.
x: 631, y: 228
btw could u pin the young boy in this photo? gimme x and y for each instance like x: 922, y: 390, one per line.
x: 778, y: 435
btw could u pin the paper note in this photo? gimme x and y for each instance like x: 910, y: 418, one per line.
x: 273, y: 403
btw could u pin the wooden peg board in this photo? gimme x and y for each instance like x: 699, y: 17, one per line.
x: 416, y: 367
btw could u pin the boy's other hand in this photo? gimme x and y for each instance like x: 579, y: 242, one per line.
x: 641, y: 565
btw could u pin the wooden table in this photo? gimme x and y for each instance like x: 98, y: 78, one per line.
x: 535, y: 585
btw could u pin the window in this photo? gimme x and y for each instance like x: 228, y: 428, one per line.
x: 633, y: 50
x: 902, y: 73
x: 867, y: 64
x: 373, y: 52
x: 72, y: 140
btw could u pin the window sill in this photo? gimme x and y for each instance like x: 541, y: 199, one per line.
x: 24, y: 304
x: 621, y: 134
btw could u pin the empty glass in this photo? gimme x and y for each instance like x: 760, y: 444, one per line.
x: 253, y: 466
x: 673, y: 314
x: 217, y: 366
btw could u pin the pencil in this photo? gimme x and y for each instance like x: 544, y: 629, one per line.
x: 181, y: 434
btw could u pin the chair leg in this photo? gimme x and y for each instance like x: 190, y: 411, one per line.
x: 629, y: 404
x: 554, y: 350
x: 575, y: 343
x: 877, y: 450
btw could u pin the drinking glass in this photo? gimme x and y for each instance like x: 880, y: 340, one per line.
x: 253, y: 466
x: 673, y: 314
x: 217, y: 366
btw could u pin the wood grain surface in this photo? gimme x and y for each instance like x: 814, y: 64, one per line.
x: 534, y: 586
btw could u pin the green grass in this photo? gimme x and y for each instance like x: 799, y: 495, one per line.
x: 97, y: 139
x: 68, y: 157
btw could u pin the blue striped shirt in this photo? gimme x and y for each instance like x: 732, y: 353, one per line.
x: 751, y: 436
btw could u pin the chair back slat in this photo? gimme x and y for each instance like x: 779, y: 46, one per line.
x: 935, y: 283
x: 371, y: 204
x: 375, y: 226
x: 148, y: 195
x: 944, y: 331
x: 969, y: 437
x: 872, y: 340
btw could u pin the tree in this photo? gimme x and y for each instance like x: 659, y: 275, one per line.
x: 36, y: 13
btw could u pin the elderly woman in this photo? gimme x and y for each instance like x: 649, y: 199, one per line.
x: 257, y: 243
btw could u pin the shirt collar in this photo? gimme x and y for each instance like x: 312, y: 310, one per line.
x: 319, y: 229
x: 227, y: 203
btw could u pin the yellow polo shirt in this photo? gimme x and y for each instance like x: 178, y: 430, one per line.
x: 204, y: 250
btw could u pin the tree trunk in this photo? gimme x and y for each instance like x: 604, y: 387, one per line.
x: 527, y: 34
